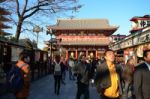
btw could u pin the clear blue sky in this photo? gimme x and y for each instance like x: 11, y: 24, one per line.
x: 118, y: 12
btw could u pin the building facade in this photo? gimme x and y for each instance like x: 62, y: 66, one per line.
x: 118, y: 37
x: 88, y: 36
x: 138, y: 41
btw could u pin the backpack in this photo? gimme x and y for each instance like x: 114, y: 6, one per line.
x: 57, y: 69
x: 71, y: 63
x: 15, y: 78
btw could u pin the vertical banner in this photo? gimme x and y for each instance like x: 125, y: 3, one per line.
x: 15, y: 51
x: 37, y: 56
x: 45, y: 57
x: 139, y: 51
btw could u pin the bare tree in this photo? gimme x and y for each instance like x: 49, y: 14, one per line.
x: 25, y: 9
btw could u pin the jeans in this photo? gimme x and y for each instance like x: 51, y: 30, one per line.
x: 63, y: 75
x: 71, y: 75
x: 57, y: 83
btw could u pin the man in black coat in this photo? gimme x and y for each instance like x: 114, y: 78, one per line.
x: 142, y: 78
x: 82, y: 69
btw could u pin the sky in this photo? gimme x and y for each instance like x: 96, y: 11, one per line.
x: 118, y: 12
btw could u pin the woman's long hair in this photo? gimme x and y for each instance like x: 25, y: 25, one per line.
x: 57, y: 58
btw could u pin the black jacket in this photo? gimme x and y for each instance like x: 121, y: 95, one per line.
x: 103, y: 80
x: 82, y: 69
x: 142, y: 82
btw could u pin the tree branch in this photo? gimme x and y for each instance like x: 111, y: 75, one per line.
x: 42, y: 4
x: 37, y: 6
x: 50, y: 9
x: 25, y: 29
x: 17, y: 6
x: 25, y: 6
x: 33, y: 12
x: 14, y: 22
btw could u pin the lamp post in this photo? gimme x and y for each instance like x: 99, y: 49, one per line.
x: 37, y: 29
x: 60, y: 49
x: 49, y: 31
x: 51, y: 34
x: 51, y: 41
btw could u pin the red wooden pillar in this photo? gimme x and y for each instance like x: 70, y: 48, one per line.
x: 96, y: 54
x: 76, y: 54
x: 86, y: 53
x: 67, y: 54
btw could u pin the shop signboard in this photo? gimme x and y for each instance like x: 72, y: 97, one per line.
x: 144, y: 38
x: 144, y: 23
x: 132, y: 41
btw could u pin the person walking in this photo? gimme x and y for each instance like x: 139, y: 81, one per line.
x: 127, y: 82
x: 82, y: 69
x: 64, y: 68
x: 57, y: 74
x: 108, y: 77
x: 141, y: 78
x: 23, y: 60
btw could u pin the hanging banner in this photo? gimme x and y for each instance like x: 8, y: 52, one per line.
x: 45, y: 56
x: 37, y: 56
x: 149, y: 46
x: 139, y: 51
x: 15, y: 51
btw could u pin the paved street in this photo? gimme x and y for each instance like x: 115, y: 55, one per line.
x: 44, y: 89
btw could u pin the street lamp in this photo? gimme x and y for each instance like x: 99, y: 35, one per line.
x: 49, y: 31
x: 37, y: 29
x: 52, y: 40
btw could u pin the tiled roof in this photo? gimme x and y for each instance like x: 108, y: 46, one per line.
x: 83, y: 24
x: 2, y: 18
x: 145, y: 17
x: 4, y: 12
x: 2, y: 26
x: 4, y: 33
x: 2, y: 1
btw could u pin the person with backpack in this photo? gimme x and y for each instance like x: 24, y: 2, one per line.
x: 23, y: 93
x: 82, y: 70
x: 57, y: 74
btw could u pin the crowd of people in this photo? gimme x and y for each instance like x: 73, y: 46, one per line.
x: 112, y: 79
x: 129, y: 81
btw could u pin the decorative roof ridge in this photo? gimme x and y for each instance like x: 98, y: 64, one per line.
x: 85, y: 19
x: 84, y: 24
x: 82, y: 19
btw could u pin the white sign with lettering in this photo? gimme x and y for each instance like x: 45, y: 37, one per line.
x: 132, y: 41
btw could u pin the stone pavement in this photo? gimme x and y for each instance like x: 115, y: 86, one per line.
x: 44, y: 89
